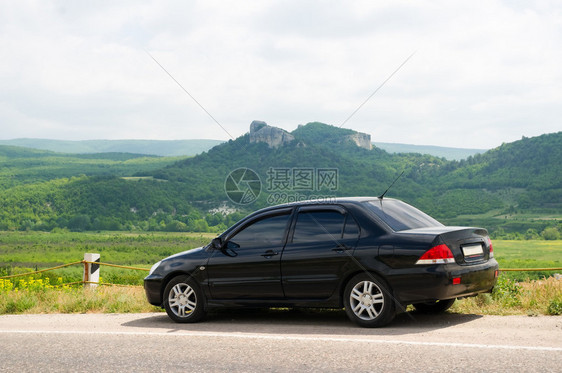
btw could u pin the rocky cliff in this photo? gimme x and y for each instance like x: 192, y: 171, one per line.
x: 272, y: 136
x: 363, y: 140
x: 261, y: 132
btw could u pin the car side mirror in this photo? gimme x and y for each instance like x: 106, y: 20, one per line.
x: 216, y: 243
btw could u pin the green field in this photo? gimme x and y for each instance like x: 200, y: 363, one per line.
x: 528, y: 254
x: 525, y: 254
x: 24, y: 251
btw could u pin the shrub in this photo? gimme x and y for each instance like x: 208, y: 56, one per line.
x: 507, y: 291
x: 555, y: 307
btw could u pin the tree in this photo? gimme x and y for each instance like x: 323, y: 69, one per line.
x: 79, y: 223
x: 550, y: 233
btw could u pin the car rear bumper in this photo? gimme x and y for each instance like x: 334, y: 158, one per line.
x: 439, y: 282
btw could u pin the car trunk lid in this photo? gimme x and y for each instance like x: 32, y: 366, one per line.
x: 469, y: 245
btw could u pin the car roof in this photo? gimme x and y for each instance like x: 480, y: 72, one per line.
x: 323, y: 201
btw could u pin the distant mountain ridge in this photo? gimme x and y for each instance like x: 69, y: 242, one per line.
x: 450, y: 153
x: 166, y: 148
x: 173, y: 148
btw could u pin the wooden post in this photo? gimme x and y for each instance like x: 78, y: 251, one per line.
x: 91, y: 276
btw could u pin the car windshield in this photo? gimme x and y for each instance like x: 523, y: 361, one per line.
x: 400, y: 216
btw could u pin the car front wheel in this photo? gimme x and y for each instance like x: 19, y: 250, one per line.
x: 183, y: 300
x: 368, y: 302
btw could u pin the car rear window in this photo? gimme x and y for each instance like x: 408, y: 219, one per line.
x: 400, y: 216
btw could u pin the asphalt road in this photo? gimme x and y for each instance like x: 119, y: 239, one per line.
x: 279, y: 341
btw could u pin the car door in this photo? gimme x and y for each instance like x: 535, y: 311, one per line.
x: 318, y: 252
x: 248, y: 265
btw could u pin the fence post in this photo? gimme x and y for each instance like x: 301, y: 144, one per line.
x: 91, y: 271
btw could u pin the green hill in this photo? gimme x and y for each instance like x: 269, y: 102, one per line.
x: 320, y: 133
x: 528, y: 170
x: 20, y: 165
x: 528, y: 163
x: 317, y: 146
x: 513, y: 188
x: 446, y: 188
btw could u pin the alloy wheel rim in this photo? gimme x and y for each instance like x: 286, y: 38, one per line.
x: 366, y: 300
x: 182, y: 300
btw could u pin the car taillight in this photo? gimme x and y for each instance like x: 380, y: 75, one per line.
x: 491, y: 248
x: 440, y: 254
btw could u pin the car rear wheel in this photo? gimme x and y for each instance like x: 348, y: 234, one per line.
x: 368, y: 302
x: 183, y: 300
x: 437, y: 306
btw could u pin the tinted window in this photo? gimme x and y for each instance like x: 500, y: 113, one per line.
x: 319, y: 226
x: 400, y: 216
x: 351, y: 229
x: 265, y: 232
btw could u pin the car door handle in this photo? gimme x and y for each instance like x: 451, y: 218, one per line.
x: 269, y: 253
x: 340, y: 248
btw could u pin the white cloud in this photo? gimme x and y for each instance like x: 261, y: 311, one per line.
x: 484, y: 73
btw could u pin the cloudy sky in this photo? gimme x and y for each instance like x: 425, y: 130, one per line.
x: 483, y: 72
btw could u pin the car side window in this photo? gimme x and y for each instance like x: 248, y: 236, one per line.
x: 314, y: 226
x: 351, y: 229
x: 265, y: 232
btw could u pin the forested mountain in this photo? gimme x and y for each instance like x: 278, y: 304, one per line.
x: 44, y: 190
x: 531, y: 166
x: 504, y: 181
x: 497, y: 189
x: 530, y: 162
x: 360, y: 171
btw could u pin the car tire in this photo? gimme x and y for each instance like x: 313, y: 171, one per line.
x: 434, y: 307
x: 183, y: 300
x: 368, y: 301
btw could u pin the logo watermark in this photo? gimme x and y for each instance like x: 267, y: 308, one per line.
x: 279, y: 198
x: 242, y: 186
x: 302, y: 179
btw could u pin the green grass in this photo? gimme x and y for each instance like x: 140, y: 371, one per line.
x: 546, y: 253
x: 22, y: 252
x: 49, y: 249
x: 76, y: 300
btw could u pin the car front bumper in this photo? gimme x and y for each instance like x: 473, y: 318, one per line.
x: 153, y: 290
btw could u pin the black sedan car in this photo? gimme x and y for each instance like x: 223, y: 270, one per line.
x: 372, y: 256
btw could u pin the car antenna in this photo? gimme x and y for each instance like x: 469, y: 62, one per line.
x: 387, y: 189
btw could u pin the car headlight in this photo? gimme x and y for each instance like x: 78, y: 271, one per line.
x: 153, y: 268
